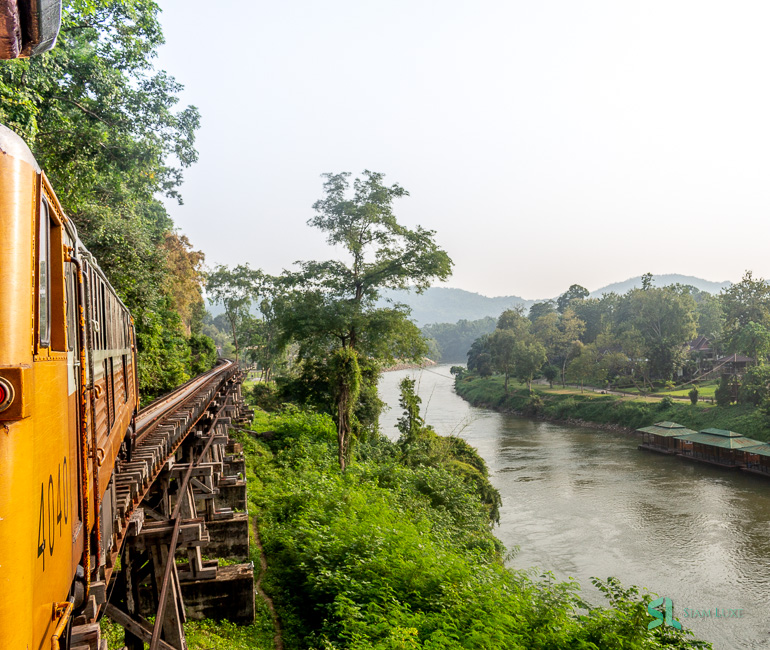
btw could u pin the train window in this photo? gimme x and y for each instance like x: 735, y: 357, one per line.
x: 44, y: 276
x: 70, y: 288
x: 125, y: 377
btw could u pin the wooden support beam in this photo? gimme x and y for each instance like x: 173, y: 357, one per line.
x: 139, y: 628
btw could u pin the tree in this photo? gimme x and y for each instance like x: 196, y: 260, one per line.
x: 753, y: 340
x: 234, y: 289
x: 584, y: 365
x: 665, y: 318
x: 104, y: 126
x: 502, y: 345
x: 575, y: 292
x: 542, y: 308
x: 186, y: 278
x: 529, y: 358
x: 333, y: 304
x: 744, y: 302
x: 550, y: 373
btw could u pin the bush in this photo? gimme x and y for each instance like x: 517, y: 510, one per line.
x: 666, y: 403
x: 265, y: 396
x: 693, y: 394
x: 723, y: 395
x: 390, y: 556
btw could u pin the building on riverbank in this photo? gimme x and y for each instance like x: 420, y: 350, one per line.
x: 662, y: 437
x: 756, y: 459
x: 715, y: 446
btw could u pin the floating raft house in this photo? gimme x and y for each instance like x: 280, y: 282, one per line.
x: 661, y: 437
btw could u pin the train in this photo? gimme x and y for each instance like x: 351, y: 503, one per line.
x: 68, y: 401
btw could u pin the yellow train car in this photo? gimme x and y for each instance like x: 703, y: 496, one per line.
x: 68, y: 396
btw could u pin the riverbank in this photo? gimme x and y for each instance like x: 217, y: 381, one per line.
x: 613, y: 412
x: 398, y: 552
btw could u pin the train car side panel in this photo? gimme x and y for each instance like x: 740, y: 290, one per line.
x: 17, y: 499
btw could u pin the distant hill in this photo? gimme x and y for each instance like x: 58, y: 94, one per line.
x: 443, y: 305
x: 662, y: 281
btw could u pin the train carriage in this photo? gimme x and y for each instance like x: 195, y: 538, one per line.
x: 68, y: 396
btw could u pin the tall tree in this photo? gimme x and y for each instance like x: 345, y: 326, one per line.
x: 234, y: 289
x: 665, y: 318
x: 333, y: 305
x: 105, y: 127
x: 575, y: 292
x: 744, y: 302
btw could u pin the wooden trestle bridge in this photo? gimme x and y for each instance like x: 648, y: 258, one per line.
x: 181, y: 492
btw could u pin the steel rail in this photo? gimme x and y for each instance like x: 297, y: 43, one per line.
x: 191, y: 391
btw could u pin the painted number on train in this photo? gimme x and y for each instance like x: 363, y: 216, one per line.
x: 55, y: 502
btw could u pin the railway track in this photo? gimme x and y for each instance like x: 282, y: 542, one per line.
x: 161, y: 428
x: 195, y: 415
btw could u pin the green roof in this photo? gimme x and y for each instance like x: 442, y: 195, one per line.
x: 721, y: 432
x: 667, y: 429
x: 762, y: 450
x: 706, y: 437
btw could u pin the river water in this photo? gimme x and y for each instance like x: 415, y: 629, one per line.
x: 583, y: 502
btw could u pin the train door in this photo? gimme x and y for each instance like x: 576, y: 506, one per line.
x: 73, y: 300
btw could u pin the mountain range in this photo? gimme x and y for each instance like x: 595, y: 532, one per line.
x: 445, y: 305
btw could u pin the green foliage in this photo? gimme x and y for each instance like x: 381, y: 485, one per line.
x: 330, y: 308
x: 666, y: 403
x: 454, y: 340
x: 607, y: 409
x: 724, y: 394
x: 397, y: 555
x: 265, y: 396
x: 755, y: 385
x: 102, y: 124
x: 550, y: 372
x: 457, y: 371
x: 575, y: 292
x: 693, y: 395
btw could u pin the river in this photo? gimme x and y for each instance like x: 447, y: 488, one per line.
x: 582, y: 502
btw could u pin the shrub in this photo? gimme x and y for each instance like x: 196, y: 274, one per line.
x: 666, y: 403
x: 693, y: 394
x: 723, y: 395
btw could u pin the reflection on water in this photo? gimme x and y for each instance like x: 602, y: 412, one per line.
x: 582, y: 502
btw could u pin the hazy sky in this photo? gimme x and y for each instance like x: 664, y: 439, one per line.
x: 547, y: 142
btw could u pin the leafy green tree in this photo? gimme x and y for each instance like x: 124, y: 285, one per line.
x: 584, y: 365
x: 503, y: 348
x: 540, y: 309
x: 575, y: 292
x: 514, y: 321
x: 665, y: 318
x: 410, y: 424
x: 105, y: 127
x: 755, y: 385
x: 529, y: 358
x: 332, y: 304
x: 550, y: 373
x: 724, y: 392
x: 478, y: 348
x: 234, y: 289
x: 753, y: 340
x: 744, y: 302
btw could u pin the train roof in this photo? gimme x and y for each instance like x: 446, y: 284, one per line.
x: 12, y: 145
